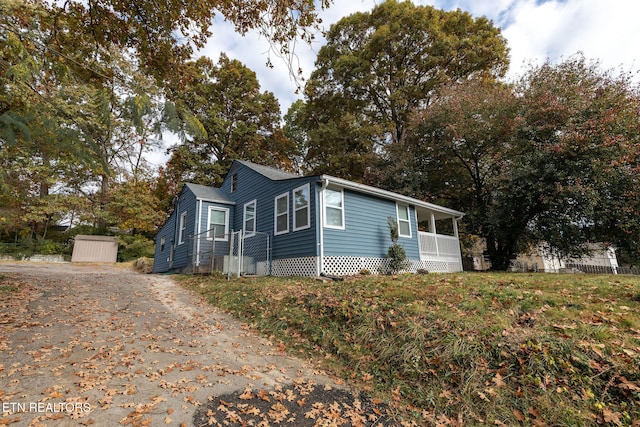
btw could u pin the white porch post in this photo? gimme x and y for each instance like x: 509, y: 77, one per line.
x: 432, y: 227
x: 455, y: 227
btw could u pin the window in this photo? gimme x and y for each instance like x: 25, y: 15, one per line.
x: 162, y: 244
x: 218, y: 223
x: 404, y: 225
x: 234, y: 182
x: 250, y: 218
x: 334, y: 208
x: 281, y: 214
x: 183, y: 228
x: 301, y: 211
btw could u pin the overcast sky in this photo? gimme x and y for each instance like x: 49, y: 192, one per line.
x: 536, y: 30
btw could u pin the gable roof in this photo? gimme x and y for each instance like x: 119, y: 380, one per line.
x: 268, y: 171
x: 209, y: 194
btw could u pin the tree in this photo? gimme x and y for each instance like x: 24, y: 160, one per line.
x: 163, y: 35
x: 552, y: 160
x: 456, y: 150
x: 579, y: 157
x: 378, y: 67
x: 226, y: 117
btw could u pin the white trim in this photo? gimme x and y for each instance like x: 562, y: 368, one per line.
x: 327, y: 206
x: 226, y: 223
x: 276, y: 215
x: 196, y: 230
x: 320, y: 263
x: 182, y: 227
x: 244, y: 218
x: 308, y: 206
x: 408, y: 220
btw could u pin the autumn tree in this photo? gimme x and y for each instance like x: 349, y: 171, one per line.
x: 574, y: 177
x: 378, y: 67
x: 226, y: 116
x: 456, y: 149
x: 552, y: 160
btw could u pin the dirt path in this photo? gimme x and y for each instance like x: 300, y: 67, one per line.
x: 103, y: 345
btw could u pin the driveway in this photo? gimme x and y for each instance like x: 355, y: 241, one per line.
x: 102, y: 345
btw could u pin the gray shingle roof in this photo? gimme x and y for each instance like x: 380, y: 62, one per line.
x: 210, y: 194
x: 269, y: 172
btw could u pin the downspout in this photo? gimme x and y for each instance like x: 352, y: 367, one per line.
x: 324, y: 183
x: 197, y: 230
x: 174, y: 243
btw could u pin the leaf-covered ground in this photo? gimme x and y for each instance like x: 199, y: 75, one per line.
x: 462, y: 349
x: 104, y: 346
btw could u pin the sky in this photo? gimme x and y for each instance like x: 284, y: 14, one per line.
x: 535, y: 30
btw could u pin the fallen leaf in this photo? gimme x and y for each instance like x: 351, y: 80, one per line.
x: 498, y: 380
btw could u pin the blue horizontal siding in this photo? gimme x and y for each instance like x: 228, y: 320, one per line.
x: 221, y: 247
x: 161, y: 255
x: 252, y: 185
x: 366, y: 232
x: 186, y: 203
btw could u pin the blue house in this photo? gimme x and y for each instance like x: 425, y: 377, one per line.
x: 265, y: 221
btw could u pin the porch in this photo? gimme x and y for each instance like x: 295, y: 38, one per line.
x: 438, y: 238
x: 438, y: 247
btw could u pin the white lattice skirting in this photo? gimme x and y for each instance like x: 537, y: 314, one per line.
x: 349, y: 265
x: 304, y: 266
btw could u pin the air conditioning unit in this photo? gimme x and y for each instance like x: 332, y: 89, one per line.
x: 229, y: 264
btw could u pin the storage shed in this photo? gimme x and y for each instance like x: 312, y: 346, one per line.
x: 94, y: 249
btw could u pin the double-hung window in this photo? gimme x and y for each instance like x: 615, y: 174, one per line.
x: 250, y: 218
x: 281, y: 214
x: 334, y: 208
x: 404, y: 224
x: 218, y: 222
x: 183, y: 228
x: 301, y: 210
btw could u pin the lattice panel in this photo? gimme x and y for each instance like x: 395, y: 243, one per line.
x: 345, y: 265
x: 348, y: 265
x: 304, y: 266
x: 434, y: 266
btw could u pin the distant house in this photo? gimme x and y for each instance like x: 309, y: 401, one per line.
x: 602, y: 259
x: 301, y: 225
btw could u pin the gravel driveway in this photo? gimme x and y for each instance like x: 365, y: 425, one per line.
x: 102, y: 345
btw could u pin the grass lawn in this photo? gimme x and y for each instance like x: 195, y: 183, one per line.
x: 461, y: 349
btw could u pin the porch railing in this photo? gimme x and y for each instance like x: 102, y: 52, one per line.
x: 439, y: 246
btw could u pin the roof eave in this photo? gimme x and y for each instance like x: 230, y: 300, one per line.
x: 366, y: 189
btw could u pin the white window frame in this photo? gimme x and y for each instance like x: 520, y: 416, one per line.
x: 226, y: 223
x: 408, y: 220
x: 341, y: 208
x: 162, y: 243
x: 183, y: 227
x: 308, y: 206
x: 255, y: 215
x: 276, y: 214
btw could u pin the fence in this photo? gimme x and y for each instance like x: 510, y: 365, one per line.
x: 235, y: 253
x: 600, y: 269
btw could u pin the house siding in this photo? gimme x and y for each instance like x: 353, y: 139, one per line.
x: 221, y: 247
x: 366, y: 232
x: 251, y: 185
x: 161, y: 255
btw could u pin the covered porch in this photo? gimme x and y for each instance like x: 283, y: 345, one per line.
x: 438, y: 237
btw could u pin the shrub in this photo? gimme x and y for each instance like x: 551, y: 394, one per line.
x: 134, y: 247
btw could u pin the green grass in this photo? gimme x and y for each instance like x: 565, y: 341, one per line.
x: 7, y: 286
x: 516, y: 349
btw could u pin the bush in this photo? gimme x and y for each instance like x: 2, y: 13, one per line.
x: 133, y: 247
x: 397, y: 258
